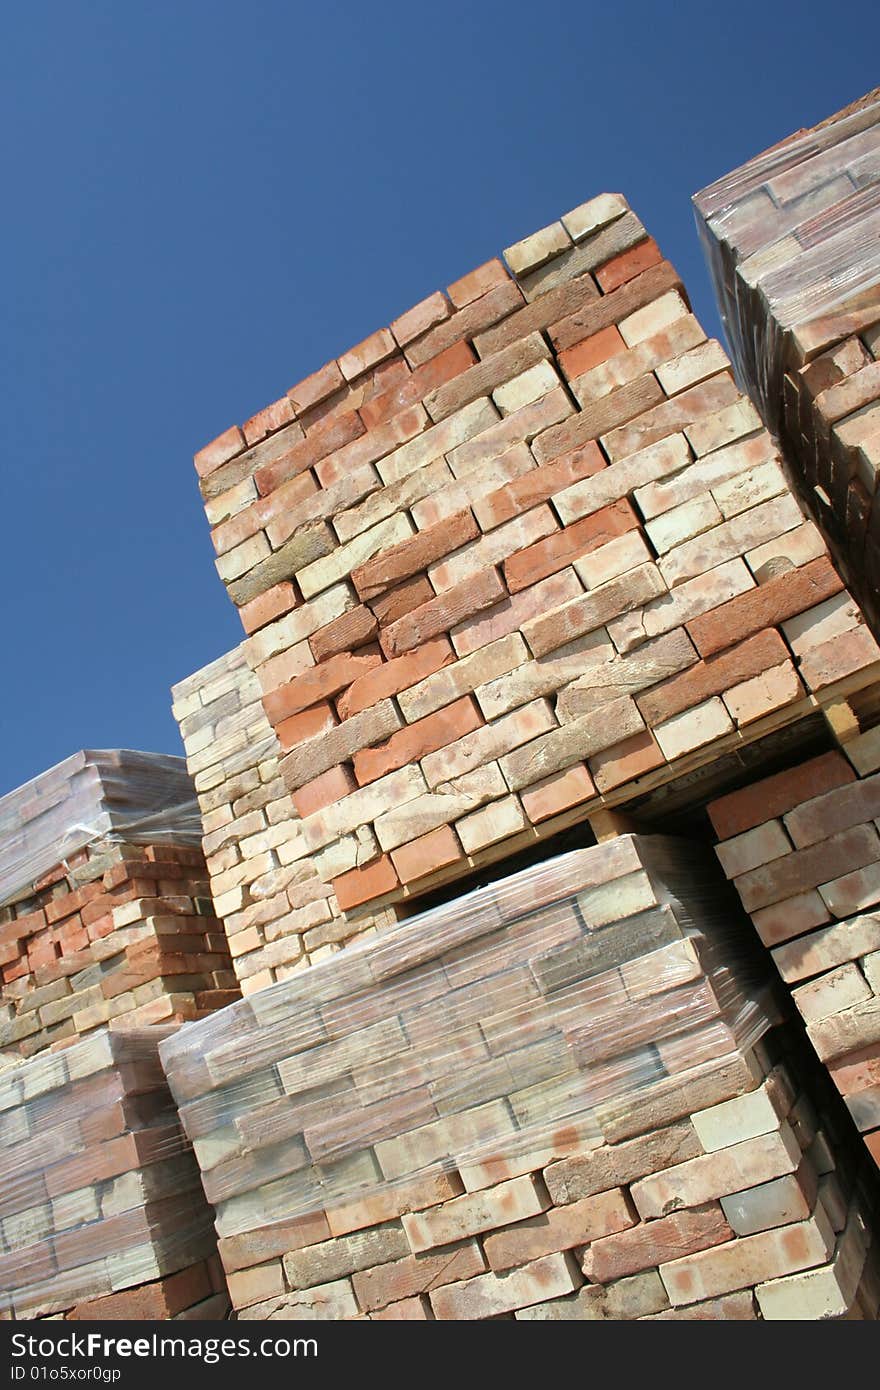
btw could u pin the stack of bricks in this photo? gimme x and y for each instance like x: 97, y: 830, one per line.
x: 525, y: 548
x: 549, y: 1099
x: 102, y: 1213
x: 803, y: 851
x: 278, y: 912
x: 108, y: 917
x: 792, y: 240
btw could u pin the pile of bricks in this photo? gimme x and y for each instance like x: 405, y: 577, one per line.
x: 278, y: 912
x: 792, y: 239
x: 108, y: 917
x: 102, y: 1213
x: 547, y: 1099
x: 525, y: 548
x: 803, y: 851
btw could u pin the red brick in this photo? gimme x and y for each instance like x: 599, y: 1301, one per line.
x: 268, y: 420
x: 389, y: 1283
x: 253, y: 518
x: 839, y: 657
x: 445, y: 611
x: 857, y: 1071
x: 413, y: 555
x: 323, y: 790
x: 557, y: 793
x: 711, y: 677
x: 427, y: 854
x: 219, y: 451
x: 268, y: 1242
x: 765, y: 606
x: 630, y: 263
x: 423, y: 736
x: 656, y: 1242
x: 538, y: 485
x: 332, y: 434
x: 591, y: 352
x: 316, y: 388
x: 560, y: 1228
x: 807, y: 868
x: 346, y: 633
x: 266, y: 607
x: 774, y: 796
x: 402, y: 599
x: 317, y: 719
x: 394, y: 676
x: 560, y: 549
x: 477, y: 282
x: 409, y: 392
x: 362, y: 885
x: 319, y: 683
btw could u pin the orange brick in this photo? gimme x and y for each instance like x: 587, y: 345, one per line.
x: 317, y: 719
x: 423, y: 736
x: 328, y: 436
x: 319, y: 683
x: 268, y: 420
x: 362, y: 885
x: 445, y: 611
x: 537, y: 485
x: 397, y: 602
x: 323, y: 790
x: 394, y: 676
x: 562, y: 547
x: 422, y: 316
x: 219, y: 451
x: 711, y: 677
x: 413, y: 555
x: 416, y: 386
x: 627, y: 266
x: 427, y: 854
x: 774, y: 796
x: 477, y: 282
x: 627, y: 760
x: 557, y: 793
x: 316, y: 388
x: 591, y: 352
x: 266, y: 607
x: 765, y: 606
x: 346, y: 633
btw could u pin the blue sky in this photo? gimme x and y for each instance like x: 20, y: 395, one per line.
x: 206, y: 201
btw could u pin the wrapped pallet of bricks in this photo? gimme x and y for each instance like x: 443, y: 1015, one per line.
x: 793, y: 242
x: 523, y: 549
x: 555, y: 1097
x: 106, y: 914
x: 102, y: 1213
x: 802, y: 850
x: 278, y: 912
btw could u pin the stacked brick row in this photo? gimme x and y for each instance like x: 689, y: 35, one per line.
x: 803, y: 851
x: 525, y: 546
x: 547, y: 1099
x: 102, y: 1213
x: 108, y: 918
x: 278, y: 913
x: 792, y: 240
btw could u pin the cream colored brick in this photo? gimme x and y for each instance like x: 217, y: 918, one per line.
x: 451, y: 682
x: 624, y: 553
x: 444, y: 805
x: 694, y: 728
x: 529, y: 386
x: 744, y: 1117
x: 535, y: 250
x: 682, y: 523
x: 491, y: 824
x: 491, y: 549
x: 589, y: 217
x: 645, y: 322
x: 702, y: 361
x: 723, y: 426
x: 831, y: 993
x: 330, y: 569
x: 439, y: 440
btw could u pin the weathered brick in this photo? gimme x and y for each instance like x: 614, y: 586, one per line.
x: 417, y: 739
x: 474, y: 1212
x: 557, y: 551
x: 443, y: 612
x: 773, y: 796
x: 416, y: 1274
x: 561, y: 1228
x: 748, y: 1260
x: 764, y: 606
x: 489, y: 1295
x: 642, y: 1247
x: 409, y: 557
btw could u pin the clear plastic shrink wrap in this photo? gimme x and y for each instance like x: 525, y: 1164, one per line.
x: 477, y: 1029
x: 111, y: 794
x: 99, y: 1189
x: 792, y: 239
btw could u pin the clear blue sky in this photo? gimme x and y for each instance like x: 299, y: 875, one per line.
x: 206, y: 201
